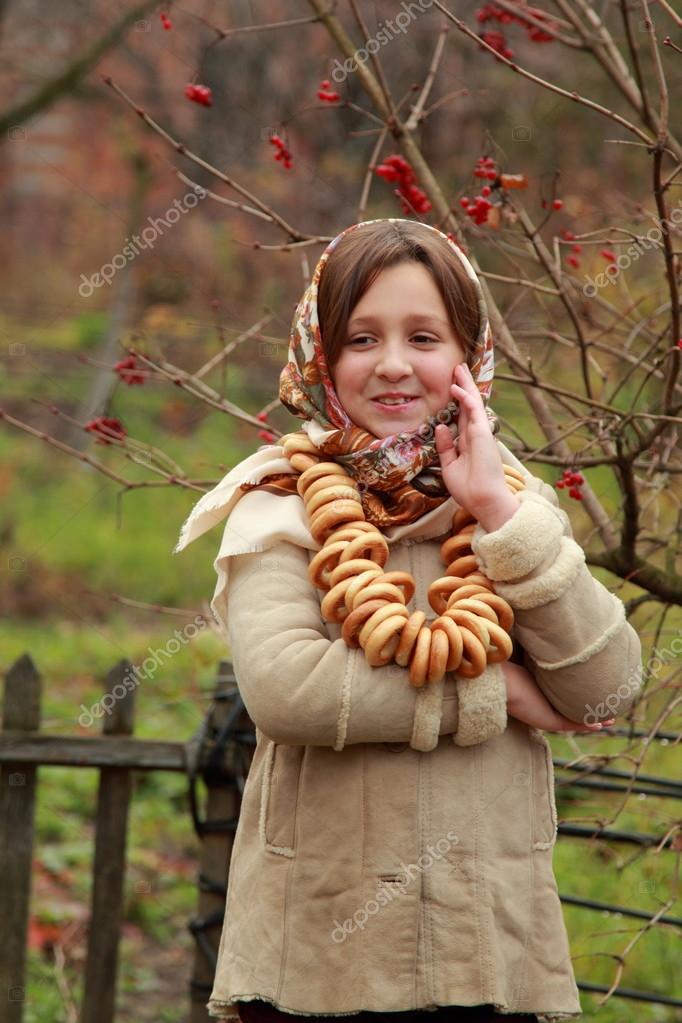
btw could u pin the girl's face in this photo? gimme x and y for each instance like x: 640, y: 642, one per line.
x: 399, y: 341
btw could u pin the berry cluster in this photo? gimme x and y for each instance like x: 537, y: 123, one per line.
x: 572, y: 480
x: 265, y: 434
x: 165, y: 21
x: 486, y: 168
x: 498, y: 43
x: 479, y: 207
x: 282, y: 153
x: 573, y: 260
x: 324, y: 94
x: 106, y: 428
x: 199, y: 94
x: 491, y: 12
x: 128, y: 370
x: 412, y: 199
x: 568, y: 236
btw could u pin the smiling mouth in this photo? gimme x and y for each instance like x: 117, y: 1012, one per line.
x: 394, y: 404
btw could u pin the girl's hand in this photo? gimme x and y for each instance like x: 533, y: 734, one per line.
x: 527, y: 703
x: 472, y: 467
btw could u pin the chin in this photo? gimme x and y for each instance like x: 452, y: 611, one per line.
x: 388, y: 429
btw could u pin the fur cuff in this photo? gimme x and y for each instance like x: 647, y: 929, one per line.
x: 427, y: 717
x: 482, y: 706
x: 522, y: 543
x: 548, y: 585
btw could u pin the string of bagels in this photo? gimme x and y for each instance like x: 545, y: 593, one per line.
x: 472, y: 625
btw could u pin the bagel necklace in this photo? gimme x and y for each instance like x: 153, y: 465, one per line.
x: 472, y: 624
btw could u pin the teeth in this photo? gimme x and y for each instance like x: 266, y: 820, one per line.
x: 393, y: 401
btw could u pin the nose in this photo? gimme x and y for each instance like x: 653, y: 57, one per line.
x: 393, y: 362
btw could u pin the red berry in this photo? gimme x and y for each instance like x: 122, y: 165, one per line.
x: 262, y: 416
x: 576, y: 248
x: 106, y: 429
x: 560, y: 484
x: 567, y: 235
x: 126, y: 371
x: 486, y: 190
x: 266, y: 436
x: 199, y: 94
x: 608, y: 254
x: 283, y: 153
x: 498, y: 43
x: 557, y: 204
x: 573, y: 261
x: 412, y: 198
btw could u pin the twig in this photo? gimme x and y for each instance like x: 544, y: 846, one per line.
x: 583, y: 100
x: 274, y: 217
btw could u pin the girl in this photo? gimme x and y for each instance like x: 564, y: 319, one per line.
x: 420, y: 885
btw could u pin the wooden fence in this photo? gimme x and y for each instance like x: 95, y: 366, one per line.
x: 212, y: 755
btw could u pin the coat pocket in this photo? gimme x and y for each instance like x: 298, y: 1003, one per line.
x: 279, y: 797
x: 544, y: 827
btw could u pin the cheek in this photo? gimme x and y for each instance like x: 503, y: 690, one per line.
x: 438, y: 375
x: 347, y: 375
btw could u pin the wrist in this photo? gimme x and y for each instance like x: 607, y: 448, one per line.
x: 493, y: 514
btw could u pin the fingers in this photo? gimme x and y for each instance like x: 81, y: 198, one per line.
x: 566, y: 725
x: 447, y: 451
x: 598, y: 725
x: 462, y: 397
x: 464, y: 386
x: 467, y: 394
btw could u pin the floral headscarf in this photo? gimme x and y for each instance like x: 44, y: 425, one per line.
x: 399, y: 476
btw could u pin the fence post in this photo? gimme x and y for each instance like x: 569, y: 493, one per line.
x: 21, y: 712
x: 113, y: 801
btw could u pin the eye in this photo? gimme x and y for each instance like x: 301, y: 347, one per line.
x: 365, y: 337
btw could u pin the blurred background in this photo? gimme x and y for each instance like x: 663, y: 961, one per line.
x: 86, y: 572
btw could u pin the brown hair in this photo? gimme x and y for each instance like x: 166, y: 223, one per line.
x: 360, y: 257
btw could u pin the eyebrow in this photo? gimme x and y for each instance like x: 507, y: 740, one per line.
x: 412, y: 318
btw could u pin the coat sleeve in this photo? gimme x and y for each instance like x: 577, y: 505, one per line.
x: 302, y: 688
x: 584, y: 654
